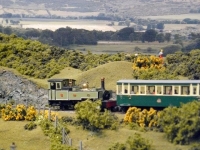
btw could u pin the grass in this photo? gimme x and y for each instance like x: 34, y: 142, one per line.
x: 111, y: 72
x: 116, y: 47
x: 13, y: 131
x: 104, y: 140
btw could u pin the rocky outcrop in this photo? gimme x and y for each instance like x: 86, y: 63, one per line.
x: 20, y: 90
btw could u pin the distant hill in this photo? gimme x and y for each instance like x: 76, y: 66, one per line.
x: 120, y: 8
x: 112, y: 72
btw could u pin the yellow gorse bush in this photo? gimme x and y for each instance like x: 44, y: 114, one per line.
x: 31, y: 113
x: 20, y: 112
x: 143, y: 118
x: 45, y: 115
x: 146, y: 62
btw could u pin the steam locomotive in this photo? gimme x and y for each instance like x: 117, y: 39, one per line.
x: 65, y: 94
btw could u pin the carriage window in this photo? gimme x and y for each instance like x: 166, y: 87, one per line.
x: 176, y: 90
x: 150, y: 89
x: 194, y: 89
x: 134, y: 89
x: 64, y: 83
x: 185, y: 90
x: 168, y: 90
x: 142, y: 89
x: 125, y: 89
x: 58, y: 85
x: 159, y: 90
x: 53, y: 85
x: 119, y: 89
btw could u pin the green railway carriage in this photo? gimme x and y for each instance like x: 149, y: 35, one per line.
x: 65, y: 93
x: 156, y: 93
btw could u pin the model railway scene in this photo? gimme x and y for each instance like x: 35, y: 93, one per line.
x: 93, y: 75
x: 129, y: 93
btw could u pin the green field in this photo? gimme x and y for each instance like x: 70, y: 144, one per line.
x: 13, y: 131
x: 118, y: 47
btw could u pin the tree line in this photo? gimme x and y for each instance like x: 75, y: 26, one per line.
x: 68, y: 36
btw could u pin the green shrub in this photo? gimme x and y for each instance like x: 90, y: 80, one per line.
x: 30, y: 126
x: 135, y: 142
x: 181, y: 125
x: 89, y: 115
x: 118, y: 146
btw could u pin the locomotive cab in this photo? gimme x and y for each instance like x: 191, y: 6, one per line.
x: 58, y: 84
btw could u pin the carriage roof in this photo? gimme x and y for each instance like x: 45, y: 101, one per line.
x: 131, y: 81
x: 59, y: 80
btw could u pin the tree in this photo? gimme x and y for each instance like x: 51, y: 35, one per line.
x: 149, y: 27
x: 7, y: 30
x: 168, y: 37
x: 32, y: 33
x: 125, y: 33
x: 171, y: 49
x: 150, y: 35
x: 160, y: 37
x: 160, y: 26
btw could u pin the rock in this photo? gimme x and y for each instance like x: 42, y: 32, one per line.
x: 21, y: 90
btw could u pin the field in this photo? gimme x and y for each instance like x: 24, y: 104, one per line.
x: 13, y: 131
x: 118, y: 47
x: 53, y: 24
x: 174, y: 17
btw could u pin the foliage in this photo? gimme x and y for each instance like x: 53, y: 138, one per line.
x: 142, y: 118
x: 118, y: 146
x: 89, y: 115
x: 171, y: 49
x: 195, y: 44
x: 181, y: 125
x: 54, y: 133
x: 160, y: 25
x: 185, y: 64
x: 30, y: 114
x: 37, y: 60
x: 135, y: 142
x: 150, y: 35
x: 195, y: 147
x: 9, y: 113
x: 124, y: 33
x: 19, y: 113
x: 150, y: 67
x: 30, y: 126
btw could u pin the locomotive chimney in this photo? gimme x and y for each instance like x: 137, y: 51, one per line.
x: 102, y: 84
